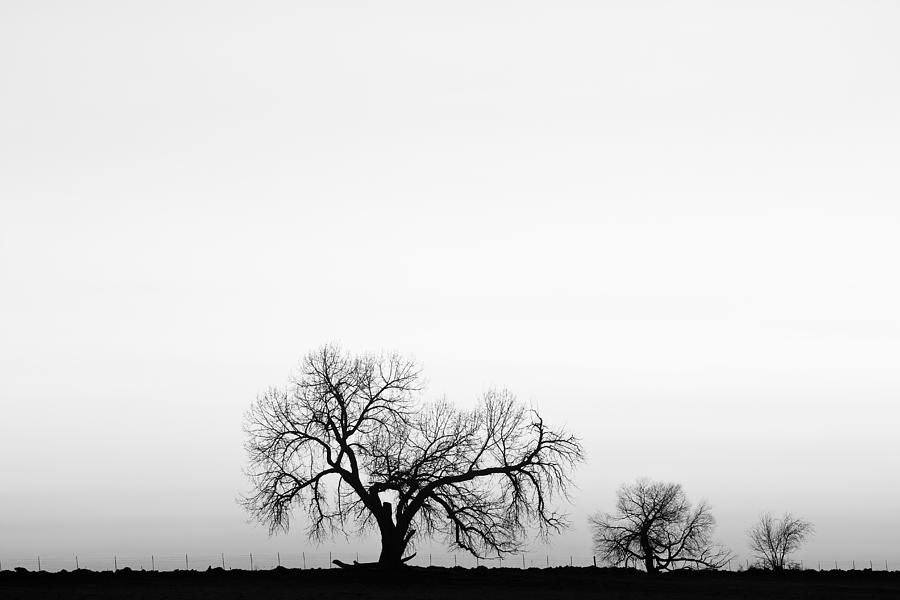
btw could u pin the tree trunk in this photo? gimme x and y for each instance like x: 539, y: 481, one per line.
x: 393, y: 545
x: 393, y: 541
x: 647, y: 548
x: 392, y: 549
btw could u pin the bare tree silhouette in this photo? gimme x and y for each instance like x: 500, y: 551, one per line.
x: 773, y: 540
x: 350, y: 442
x: 655, y: 525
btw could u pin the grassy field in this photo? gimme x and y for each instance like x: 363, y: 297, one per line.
x: 442, y: 583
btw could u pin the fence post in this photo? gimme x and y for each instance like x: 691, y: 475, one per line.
x: 854, y: 564
x: 330, y: 563
x: 523, y: 561
x: 595, y: 560
x: 429, y: 558
x: 39, y: 563
x: 115, y: 563
x: 304, y: 560
x: 835, y: 565
x: 223, y: 561
x: 251, y: 561
x: 454, y: 560
x: 186, y: 568
x: 870, y: 566
x: 548, y: 560
x: 279, y: 558
x: 570, y: 560
x: 76, y: 562
x: 152, y: 563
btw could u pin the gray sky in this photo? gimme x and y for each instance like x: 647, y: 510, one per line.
x: 670, y: 226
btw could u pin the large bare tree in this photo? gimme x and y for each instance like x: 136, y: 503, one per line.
x: 772, y: 540
x: 654, y: 525
x: 351, y: 443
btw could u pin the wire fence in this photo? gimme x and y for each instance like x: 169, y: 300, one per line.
x: 268, y: 561
x: 323, y: 560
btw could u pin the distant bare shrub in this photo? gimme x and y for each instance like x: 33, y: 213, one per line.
x: 773, y: 540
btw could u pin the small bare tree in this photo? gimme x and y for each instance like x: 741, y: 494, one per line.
x: 351, y: 444
x: 654, y: 525
x: 773, y: 540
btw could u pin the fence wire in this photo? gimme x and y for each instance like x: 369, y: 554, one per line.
x: 323, y: 560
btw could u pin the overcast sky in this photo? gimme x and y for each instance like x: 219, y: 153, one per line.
x: 671, y: 226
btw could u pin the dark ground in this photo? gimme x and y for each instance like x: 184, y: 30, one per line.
x: 442, y: 583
